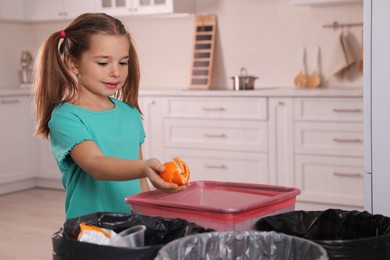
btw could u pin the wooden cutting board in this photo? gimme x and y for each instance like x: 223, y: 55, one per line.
x: 203, y: 51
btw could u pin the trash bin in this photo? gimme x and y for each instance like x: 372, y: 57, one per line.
x: 242, y: 245
x: 159, y: 231
x: 223, y: 206
x: 343, y: 234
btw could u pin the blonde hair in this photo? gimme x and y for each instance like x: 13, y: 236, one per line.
x: 53, y: 82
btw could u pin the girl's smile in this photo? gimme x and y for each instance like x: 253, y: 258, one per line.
x: 111, y: 85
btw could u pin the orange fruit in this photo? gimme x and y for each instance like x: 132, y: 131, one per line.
x: 176, y: 171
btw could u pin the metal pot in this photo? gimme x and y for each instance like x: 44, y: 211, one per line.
x: 243, y: 81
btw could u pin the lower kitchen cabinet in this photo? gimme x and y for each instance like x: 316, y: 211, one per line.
x: 48, y: 175
x: 16, y: 150
x: 330, y: 180
x: 313, y: 143
x: 224, y: 166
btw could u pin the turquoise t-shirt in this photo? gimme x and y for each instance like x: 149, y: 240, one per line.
x: 118, y: 133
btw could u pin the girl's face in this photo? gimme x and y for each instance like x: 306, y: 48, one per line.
x: 103, y: 69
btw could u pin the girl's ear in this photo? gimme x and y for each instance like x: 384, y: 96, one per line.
x: 71, y: 64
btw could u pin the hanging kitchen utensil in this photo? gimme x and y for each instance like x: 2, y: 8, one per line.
x: 301, y: 78
x: 314, y: 79
x: 202, y: 60
x: 25, y: 72
x: 243, y: 81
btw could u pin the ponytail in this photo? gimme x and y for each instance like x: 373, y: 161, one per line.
x: 53, y: 83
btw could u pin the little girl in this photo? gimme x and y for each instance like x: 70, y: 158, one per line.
x: 86, y: 97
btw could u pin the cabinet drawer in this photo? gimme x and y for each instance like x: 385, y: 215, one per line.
x: 327, y: 179
x: 231, y: 108
x: 329, y: 109
x: 216, y: 134
x: 345, y: 139
x: 224, y: 166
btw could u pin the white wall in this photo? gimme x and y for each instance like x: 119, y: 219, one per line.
x: 14, y: 38
x: 265, y: 36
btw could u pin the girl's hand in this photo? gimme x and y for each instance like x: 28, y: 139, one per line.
x: 152, y: 169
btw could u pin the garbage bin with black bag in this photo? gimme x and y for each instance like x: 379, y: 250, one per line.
x: 343, y: 234
x: 159, y: 231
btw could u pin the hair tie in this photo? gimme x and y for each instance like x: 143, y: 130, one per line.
x: 62, y: 32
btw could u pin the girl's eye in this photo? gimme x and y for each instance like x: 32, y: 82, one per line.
x: 124, y: 63
x: 102, y: 63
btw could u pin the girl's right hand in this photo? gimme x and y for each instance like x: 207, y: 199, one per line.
x: 152, y: 169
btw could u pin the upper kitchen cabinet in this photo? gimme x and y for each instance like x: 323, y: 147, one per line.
x: 12, y: 10
x: 52, y: 10
x: 324, y: 2
x: 144, y: 7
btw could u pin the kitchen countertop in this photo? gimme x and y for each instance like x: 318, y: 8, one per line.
x: 5, y: 92
x: 264, y: 92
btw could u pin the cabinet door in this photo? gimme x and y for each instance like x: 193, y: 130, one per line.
x: 224, y: 165
x: 73, y: 8
x: 152, y: 6
x: 47, y: 10
x: 115, y: 7
x: 15, y: 139
x: 280, y: 136
x: 12, y: 10
x: 328, y: 179
x: 153, y: 109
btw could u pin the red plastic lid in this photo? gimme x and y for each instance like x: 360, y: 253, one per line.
x: 217, y: 197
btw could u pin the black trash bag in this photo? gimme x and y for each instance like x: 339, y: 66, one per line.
x: 343, y: 234
x: 159, y: 231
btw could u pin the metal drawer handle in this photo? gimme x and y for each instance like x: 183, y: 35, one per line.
x: 338, y: 140
x: 213, y: 108
x: 215, y: 166
x: 214, y: 135
x: 348, y: 174
x: 345, y: 110
x: 9, y: 101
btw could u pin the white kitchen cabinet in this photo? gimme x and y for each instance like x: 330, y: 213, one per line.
x: 48, y: 175
x: 220, y: 138
x: 153, y: 111
x: 312, y: 143
x: 49, y: 10
x: 16, y: 150
x: 144, y: 7
x: 230, y: 166
x: 328, y: 151
x: 325, y: 2
x: 14, y: 10
x: 280, y: 138
x: 329, y: 180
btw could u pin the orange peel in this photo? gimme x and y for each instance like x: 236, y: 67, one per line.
x: 176, y: 171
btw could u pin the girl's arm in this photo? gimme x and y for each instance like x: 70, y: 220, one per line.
x: 143, y: 182
x: 91, y: 159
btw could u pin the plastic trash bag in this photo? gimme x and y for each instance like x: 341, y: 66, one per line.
x: 242, y: 245
x: 344, y: 234
x: 159, y: 231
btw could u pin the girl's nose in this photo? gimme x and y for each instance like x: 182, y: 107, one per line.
x: 114, y: 72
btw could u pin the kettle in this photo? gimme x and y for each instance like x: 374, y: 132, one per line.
x: 243, y: 81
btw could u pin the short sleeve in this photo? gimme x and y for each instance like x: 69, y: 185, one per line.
x: 66, y: 131
x: 142, y: 130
